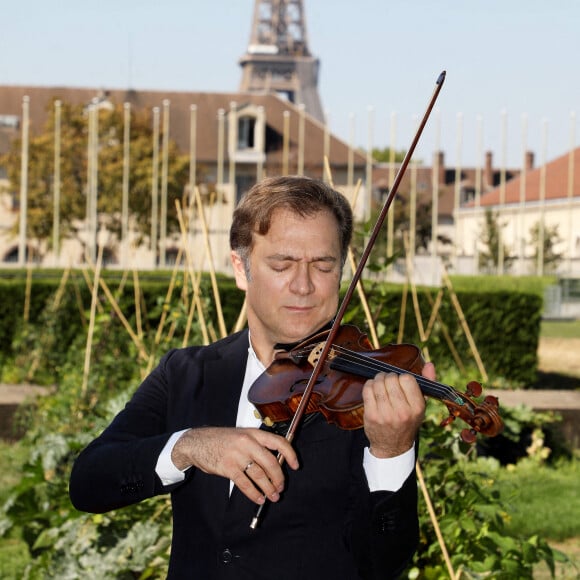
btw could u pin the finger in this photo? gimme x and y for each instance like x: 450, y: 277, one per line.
x: 413, y: 395
x: 375, y: 396
x: 429, y: 371
x: 262, y: 481
x: 246, y: 486
x: 261, y: 477
x: 280, y: 445
x: 389, y: 395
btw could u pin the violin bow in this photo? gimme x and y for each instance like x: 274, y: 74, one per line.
x: 302, y: 406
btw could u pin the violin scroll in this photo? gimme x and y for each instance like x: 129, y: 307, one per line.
x: 482, y: 418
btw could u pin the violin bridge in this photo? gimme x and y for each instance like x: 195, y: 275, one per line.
x: 316, y: 351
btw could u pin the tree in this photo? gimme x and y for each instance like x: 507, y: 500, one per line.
x: 384, y: 155
x: 490, y: 237
x: 73, y: 168
x: 551, y: 258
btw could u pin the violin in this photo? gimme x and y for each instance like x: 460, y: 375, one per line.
x: 337, y: 392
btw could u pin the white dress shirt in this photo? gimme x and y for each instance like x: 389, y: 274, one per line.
x: 382, y: 474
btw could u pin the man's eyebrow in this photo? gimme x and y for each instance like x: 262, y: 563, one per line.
x: 290, y: 258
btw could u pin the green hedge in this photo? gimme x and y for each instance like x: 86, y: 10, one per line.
x: 505, y: 324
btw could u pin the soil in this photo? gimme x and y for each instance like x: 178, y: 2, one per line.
x: 559, y: 355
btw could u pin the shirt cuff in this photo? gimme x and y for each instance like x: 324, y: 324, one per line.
x: 388, y: 474
x: 165, y: 469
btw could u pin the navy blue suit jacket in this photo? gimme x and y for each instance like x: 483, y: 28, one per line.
x: 326, y: 525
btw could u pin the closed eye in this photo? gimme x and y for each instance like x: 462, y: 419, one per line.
x: 325, y: 264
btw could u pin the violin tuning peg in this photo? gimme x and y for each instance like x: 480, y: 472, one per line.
x: 474, y: 389
x: 491, y: 400
x: 447, y: 421
x: 469, y: 435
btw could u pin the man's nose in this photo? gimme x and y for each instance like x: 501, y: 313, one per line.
x: 301, y: 282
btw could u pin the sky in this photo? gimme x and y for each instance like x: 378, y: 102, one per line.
x: 512, y: 84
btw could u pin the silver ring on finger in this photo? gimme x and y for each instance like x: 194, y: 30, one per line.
x: 250, y: 463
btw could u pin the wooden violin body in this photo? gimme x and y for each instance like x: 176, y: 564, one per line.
x: 337, y: 393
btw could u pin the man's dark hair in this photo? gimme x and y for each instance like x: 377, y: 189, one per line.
x: 302, y: 195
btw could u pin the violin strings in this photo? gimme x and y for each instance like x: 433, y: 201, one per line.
x: 490, y: 420
x: 436, y: 389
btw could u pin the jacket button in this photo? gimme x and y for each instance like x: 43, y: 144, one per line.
x: 227, y: 556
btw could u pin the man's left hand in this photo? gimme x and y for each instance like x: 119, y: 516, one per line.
x: 394, y: 408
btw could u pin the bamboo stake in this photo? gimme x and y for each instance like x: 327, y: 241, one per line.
x: 216, y: 295
x: 191, y: 313
x: 90, y: 333
x: 444, y: 329
x: 53, y: 308
x: 364, y: 302
x: 164, y: 185
x: 60, y: 290
x: 136, y: 340
x: 79, y: 302
x: 464, y: 324
x: 195, y: 284
x: 351, y: 147
x: 196, y: 288
x: 137, y: 293
x: 415, y: 298
x: 326, y: 144
x: 125, y: 184
x: 391, y: 215
x: 353, y: 265
x: 434, y: 311
x: 242, y: 318
x: 56, y: 183
x: 112, y: 300
x: 24, y: 157
x: 420, y: 477
x: 301, y: 123
x: 155, y: 188
x: 286, y: 142
x: 166, y: 303
x: 89, y: 284
x: 436, y: 526
x: 192, y: 152
x: 28, y: 292
x: 328, y: 172
x: 423, y: 336
x: 375, y: 341
x: 403, y: 312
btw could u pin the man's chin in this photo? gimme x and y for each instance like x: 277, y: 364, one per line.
x: 299, y: 332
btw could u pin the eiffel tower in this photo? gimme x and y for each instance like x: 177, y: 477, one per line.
x: 278, y: 59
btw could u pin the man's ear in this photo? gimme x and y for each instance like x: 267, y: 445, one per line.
x: 239, y: 271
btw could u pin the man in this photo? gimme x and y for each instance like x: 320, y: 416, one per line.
x: 344, y: 504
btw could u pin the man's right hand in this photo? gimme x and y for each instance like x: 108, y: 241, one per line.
x: 243, y: 455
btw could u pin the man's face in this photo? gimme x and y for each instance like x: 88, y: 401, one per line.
x: 294, y: 278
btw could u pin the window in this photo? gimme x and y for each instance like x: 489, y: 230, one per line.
x: 246, y: 130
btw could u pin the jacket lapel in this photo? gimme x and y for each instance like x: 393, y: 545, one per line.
x: 224, y: 377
